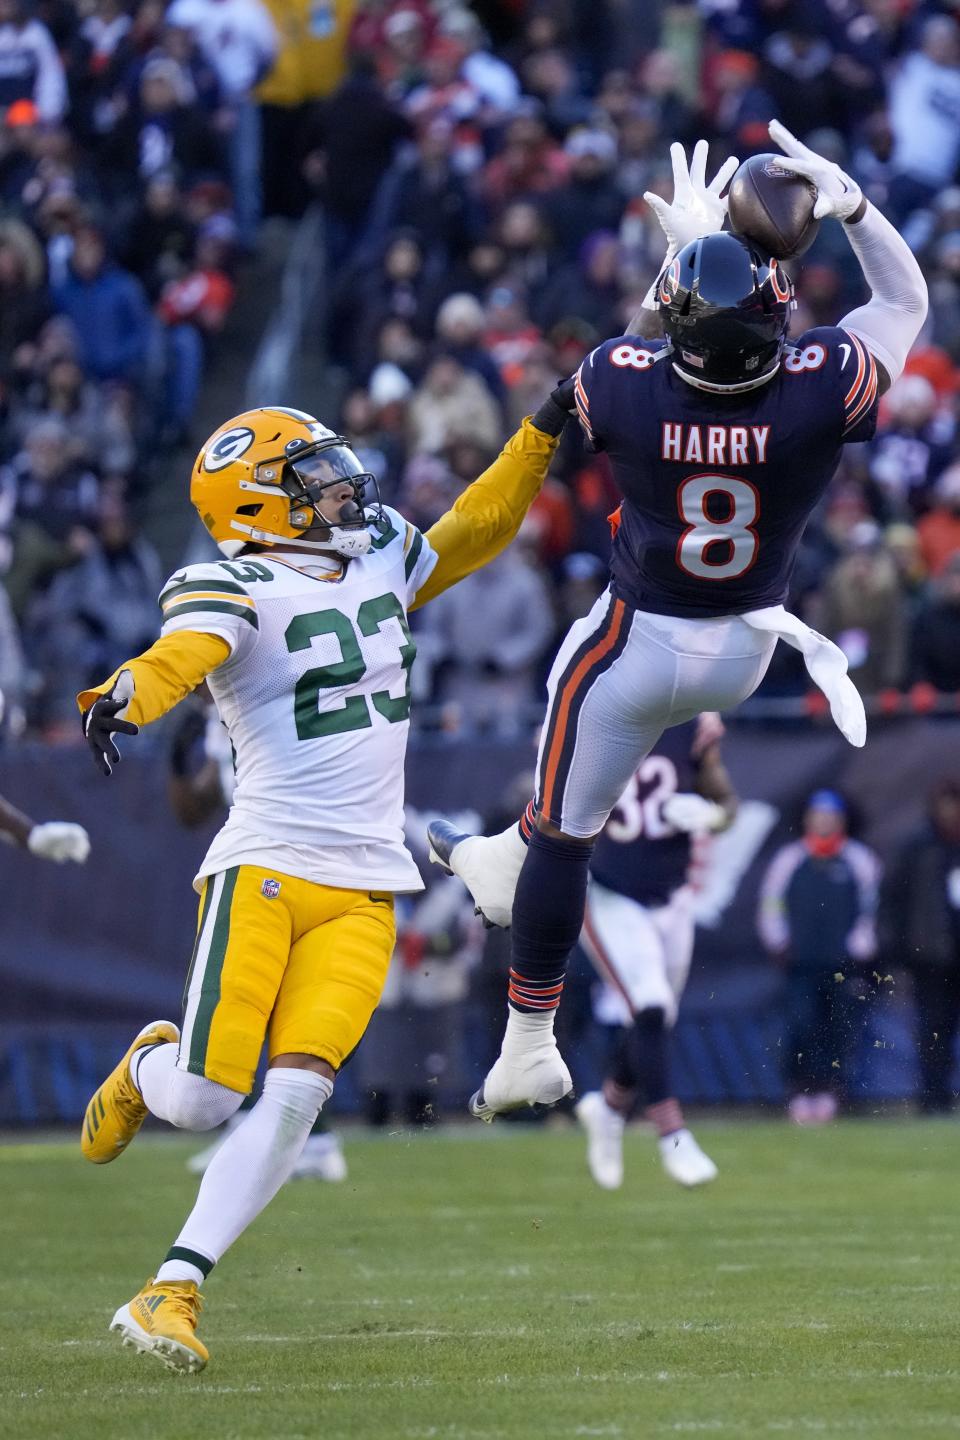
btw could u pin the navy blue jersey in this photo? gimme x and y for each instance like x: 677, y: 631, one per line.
x: 718, y: 488
x: 639, y: 854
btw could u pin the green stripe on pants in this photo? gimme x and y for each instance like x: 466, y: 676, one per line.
x: 210, y: 989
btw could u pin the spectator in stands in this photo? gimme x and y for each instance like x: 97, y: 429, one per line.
x: 510, y: 335
x: 939, y: 530
x: 193, y: 311
x: 422, y: 191
x: 30, y: 68
x: 108, y: 310
x: 452, y: 403
x: 743, y: 108
x: 486, y: 671
x: 921, y: 931
x: 96, y: 611
x: 925, y: 118
x: 378, y: 451
x: 817, y: 918
x: 491, y: 78
x: 460, y: 325
x: 862, y: 609
x: 56, y: 509
x: 529, y: 162
x: 311, y: 64
x: 935, y: 643
x: 161, y: 238
x: 98, y: 428
x: 589, y: 290
x: 24, y: 302
x: 911, y: 447
x: 591, y: 198
x: 239, y: 40
x: 393, y: 287
x: 166, y: 128
x: 351, y: 140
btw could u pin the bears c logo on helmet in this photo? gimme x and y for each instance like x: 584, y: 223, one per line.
x: 228, y: 447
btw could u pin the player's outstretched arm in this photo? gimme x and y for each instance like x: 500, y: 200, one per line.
x: 891, y: 320
x: 56, y: 840
x: 487, y: 516
x: 143, y: 689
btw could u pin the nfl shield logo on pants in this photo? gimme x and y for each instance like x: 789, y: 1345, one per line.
x: 270, y: 888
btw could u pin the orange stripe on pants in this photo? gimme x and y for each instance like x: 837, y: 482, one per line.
x: 592, y: 658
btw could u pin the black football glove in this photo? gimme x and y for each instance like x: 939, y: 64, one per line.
x: 557, y: 409
x: 101, y: 723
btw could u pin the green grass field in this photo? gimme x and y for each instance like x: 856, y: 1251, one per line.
x: 477, y: 1285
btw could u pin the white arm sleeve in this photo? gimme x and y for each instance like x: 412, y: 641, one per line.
x: 890, y: 321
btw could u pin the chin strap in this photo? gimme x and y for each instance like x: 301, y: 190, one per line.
x: 349, y: 543
x: 726, y: 389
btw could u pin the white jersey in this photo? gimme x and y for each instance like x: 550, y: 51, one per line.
x: 315, y: 696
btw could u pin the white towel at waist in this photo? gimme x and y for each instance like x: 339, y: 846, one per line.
x: 826, y: 665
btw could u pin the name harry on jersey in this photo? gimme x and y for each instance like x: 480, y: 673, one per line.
x: 714, y: 444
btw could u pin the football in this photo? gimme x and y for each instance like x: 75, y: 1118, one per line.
x: 772, y: 207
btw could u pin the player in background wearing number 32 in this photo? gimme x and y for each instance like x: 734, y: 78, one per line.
x: 302, y: 637
x: 722, y: 438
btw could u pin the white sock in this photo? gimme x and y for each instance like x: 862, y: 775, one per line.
x: 247, y: 1171
x: 526, y: 1031
x: 191, y: 1102
x: 150, y: 1072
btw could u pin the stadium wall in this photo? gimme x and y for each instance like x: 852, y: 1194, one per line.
x: 88, y: 954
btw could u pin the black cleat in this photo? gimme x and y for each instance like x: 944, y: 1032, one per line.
x: 443, y: 837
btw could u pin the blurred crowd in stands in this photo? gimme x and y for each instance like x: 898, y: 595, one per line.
x: 480, y: 172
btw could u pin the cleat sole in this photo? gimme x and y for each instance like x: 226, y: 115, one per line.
x: 179, y: 1358
x: 480, y: 1110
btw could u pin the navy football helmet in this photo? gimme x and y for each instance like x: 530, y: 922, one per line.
x: 726, y: 310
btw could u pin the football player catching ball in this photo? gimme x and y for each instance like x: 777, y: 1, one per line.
x: 722, y: 437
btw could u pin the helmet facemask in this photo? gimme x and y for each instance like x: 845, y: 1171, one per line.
x: 335, y: 504
x: 334, y: 501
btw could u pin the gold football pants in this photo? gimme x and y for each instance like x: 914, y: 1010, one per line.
x: 276, y: 956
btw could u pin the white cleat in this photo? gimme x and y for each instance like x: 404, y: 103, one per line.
x: 531, y: 1077
x: 322, y: 1159
x: 684, y: 1161
x: 489, y: 866
x: 604, y: 1129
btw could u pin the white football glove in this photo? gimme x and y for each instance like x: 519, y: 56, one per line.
x: 58, y: 840
x: 697, y: 208
x: 693, y: 814
x: 837, y: 194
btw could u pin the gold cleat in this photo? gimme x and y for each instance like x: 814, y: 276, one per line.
x: 117, y: 1111
x: 162, y: 1321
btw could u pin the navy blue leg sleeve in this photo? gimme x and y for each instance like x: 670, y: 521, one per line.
x: 547, y: 916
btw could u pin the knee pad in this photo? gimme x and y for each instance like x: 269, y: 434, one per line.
x: 196, y: 1103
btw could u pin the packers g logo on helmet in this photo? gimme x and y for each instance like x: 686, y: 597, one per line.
x: 263, y: 477
x: 228, y: 447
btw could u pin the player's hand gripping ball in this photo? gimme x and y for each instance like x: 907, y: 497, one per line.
x: 772, y: 206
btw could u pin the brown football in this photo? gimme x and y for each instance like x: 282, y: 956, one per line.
x: 772, y: 207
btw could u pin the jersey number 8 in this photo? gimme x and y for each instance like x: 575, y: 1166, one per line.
x: 735, y: 531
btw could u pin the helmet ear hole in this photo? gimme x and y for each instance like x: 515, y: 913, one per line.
x: 249, y: 509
